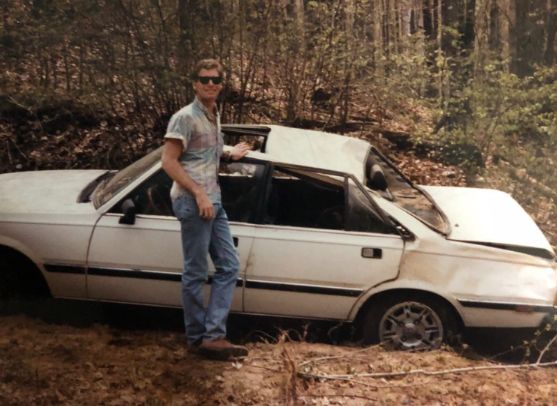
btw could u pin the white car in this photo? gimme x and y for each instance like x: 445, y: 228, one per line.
x: 325, y: 227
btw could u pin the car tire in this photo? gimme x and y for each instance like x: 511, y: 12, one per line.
x: 409, y: 323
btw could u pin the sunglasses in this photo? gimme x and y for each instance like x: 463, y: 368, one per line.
x: 217, y: 80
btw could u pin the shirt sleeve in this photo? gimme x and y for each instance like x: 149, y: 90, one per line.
x: 179, y: 128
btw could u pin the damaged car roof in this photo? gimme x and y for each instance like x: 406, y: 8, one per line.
x: 316, y: 149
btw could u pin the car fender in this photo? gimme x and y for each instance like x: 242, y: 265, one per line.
x: 22, y: 249
x: 400, y: 286
x: 60, y: 283
x: 483, y: 312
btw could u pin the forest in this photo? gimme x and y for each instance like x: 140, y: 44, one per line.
x: 459, y: 92
x: 468, y: 83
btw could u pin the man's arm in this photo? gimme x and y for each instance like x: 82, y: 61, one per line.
x: 171, y: 153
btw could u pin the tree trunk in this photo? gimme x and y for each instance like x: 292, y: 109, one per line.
x: 348, y: 60
x: 300, y: 17
x: 187, y: 52
x: 481, y: 39
x: 507, y: 24
x: 378, y: 39
x: 532, y: 36
x: 551, y: 29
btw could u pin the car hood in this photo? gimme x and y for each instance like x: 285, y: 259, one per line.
x: 490, y: 217
x: 45, y: 191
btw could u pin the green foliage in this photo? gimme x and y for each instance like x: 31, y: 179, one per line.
x: 407, y: 74
x: 132, y: 59
x: 511, y: 117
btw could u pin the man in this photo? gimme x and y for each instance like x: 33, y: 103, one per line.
x: 191, y: 156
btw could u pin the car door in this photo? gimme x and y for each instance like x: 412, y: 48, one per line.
x: 142, y: 262
x: 322, y: 246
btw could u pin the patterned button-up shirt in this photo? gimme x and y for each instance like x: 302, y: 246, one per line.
x: 202, y: 148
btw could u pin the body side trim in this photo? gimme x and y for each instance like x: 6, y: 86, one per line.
x: 287, y: 287
x: 518, y: 307
x: 177, y: 277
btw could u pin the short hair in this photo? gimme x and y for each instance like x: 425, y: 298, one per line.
x: 206, y: 64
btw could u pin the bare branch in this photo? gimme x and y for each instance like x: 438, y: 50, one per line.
x: 425, y: 372
x: 549, y: 344
x: 336, y: 395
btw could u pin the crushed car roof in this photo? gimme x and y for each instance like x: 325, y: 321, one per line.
x: 316, y: 149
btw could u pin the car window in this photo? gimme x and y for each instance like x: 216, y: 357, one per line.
x: 305, y: 199
x: 104, y: 192
x: 361, y: 215
x: 241, y: 186
x: 152, y: 197
x: 255, y: 136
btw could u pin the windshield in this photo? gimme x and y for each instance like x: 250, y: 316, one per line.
x: 104, y: 192
x: 402, y: 192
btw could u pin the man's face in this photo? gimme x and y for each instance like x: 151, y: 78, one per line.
x: 210, y: 90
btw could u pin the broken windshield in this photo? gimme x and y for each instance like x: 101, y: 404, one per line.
x: 405, y: 194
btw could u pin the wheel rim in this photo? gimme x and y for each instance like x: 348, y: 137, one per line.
x: 411, y: 326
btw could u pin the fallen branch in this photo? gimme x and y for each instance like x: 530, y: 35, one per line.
x: 21, y: 106
x: 9, y: 140
x: 424, y: 372
x: 336, y: 395
x: 330, y: 357
x: 389, y: 386
x: 549, y: 344
x: 262, y: 367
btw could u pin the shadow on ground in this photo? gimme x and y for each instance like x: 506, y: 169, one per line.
x: 241, y: 328
x: 513, y: 346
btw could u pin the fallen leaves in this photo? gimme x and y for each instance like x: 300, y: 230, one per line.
x: 42, y: 363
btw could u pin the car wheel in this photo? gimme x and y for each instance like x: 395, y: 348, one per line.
x: 409, y: 324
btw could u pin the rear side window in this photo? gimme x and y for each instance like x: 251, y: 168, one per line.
x: 303, y: 198
x: 303, y: 201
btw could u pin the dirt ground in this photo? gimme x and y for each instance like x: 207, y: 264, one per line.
x: 80, y: 359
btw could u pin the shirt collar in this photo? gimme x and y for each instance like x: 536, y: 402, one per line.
x: 197, y: 103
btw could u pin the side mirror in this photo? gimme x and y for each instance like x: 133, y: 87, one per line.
x: 128, y: 208
x: 376, y: 178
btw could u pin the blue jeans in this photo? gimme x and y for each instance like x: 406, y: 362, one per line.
x: 200, y: 237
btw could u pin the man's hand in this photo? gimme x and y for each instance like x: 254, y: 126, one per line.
x: 171, y: 164
x: 239, y: 151
x: 205, y: 206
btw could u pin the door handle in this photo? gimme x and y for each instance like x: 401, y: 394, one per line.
x: 235, y: 239
x: 375, y: 253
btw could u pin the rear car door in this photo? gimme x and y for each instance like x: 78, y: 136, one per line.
x: 321, y: 246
